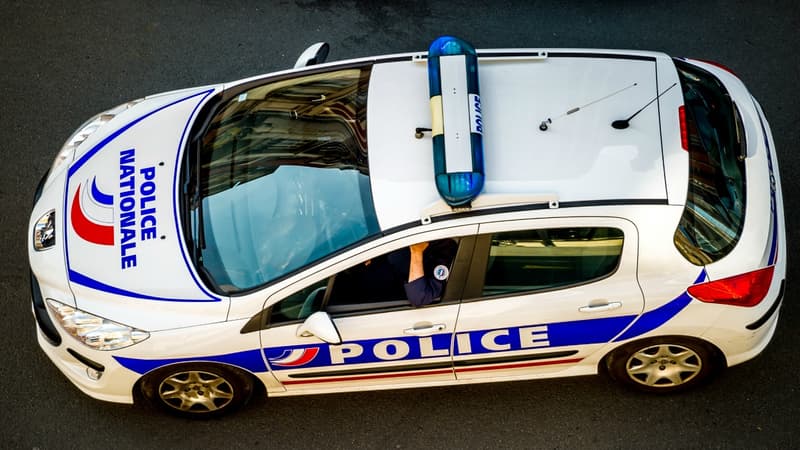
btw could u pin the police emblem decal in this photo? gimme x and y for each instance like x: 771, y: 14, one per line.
x: 441, y: 272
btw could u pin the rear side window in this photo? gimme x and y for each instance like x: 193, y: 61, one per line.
x: 536, y: 260
x: 715, y: 205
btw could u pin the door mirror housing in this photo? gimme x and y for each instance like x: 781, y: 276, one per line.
x: 320, y: 325
x: 315, y: 54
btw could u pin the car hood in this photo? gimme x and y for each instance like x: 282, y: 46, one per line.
x: 124, y: 249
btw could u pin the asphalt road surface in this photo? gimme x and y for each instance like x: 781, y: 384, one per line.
x: 61, y: 63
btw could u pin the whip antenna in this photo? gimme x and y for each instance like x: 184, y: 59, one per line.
x: 625, y: 123
x: 544, y: 125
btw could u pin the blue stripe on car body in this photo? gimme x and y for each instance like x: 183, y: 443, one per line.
x: 400, y: 348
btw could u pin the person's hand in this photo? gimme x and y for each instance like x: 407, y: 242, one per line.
x: 418, y: 248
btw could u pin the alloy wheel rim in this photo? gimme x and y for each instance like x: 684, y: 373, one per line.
x: 196, y: 391
x: 664, y: 365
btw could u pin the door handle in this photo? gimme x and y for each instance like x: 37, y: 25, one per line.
x: 600, y: 308
x: 425, y: 329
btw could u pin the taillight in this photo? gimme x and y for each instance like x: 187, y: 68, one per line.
x: 684, y: 130
x: 721, y: 66
x: 747, y: 289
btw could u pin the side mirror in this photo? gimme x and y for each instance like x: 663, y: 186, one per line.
x: 320, y: 325
x: 315, y: 54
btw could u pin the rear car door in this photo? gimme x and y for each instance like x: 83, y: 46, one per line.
x: 543, y: 295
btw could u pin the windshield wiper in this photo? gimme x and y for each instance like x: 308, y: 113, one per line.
x: 194, y: 206
x: 739, y: 130
x: 198, y: 197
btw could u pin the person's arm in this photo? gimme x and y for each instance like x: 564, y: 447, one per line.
x: 420, y: 289
x: 417, y: 267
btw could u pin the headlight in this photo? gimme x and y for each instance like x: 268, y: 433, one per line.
x: 67, y: 152
x: 95, y: 332
x: 44, y: 232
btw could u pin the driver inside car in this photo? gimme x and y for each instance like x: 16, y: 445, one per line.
x: 417, y: 273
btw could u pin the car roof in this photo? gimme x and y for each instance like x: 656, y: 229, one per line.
x: 579, y: 158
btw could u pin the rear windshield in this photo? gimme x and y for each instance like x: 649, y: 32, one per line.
x: 712, y: 220
x: 280, y: 179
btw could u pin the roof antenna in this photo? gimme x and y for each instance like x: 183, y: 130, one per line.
x: 624, y: 123
x: 544, y: 125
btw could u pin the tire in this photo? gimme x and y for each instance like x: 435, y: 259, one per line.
x: 198, y: 390
x: 663, y: 364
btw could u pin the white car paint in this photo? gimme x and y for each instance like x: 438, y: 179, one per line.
x: 580, y: 159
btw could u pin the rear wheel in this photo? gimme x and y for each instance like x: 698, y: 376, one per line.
x: 663, y: 364
x: 198, y: 390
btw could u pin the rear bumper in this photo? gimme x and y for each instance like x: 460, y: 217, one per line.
x: 741, y: 346
x: 771, y: 312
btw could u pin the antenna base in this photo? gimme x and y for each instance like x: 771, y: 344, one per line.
x: 621, y: 124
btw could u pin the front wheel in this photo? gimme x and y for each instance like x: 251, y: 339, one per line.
x: 197, y: 390
x: 663, y: 364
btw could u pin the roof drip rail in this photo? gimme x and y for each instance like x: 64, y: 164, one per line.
x: 488, y: 201
x: 489, y: 56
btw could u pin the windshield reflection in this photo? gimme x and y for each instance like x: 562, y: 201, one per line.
x: 283, y: 179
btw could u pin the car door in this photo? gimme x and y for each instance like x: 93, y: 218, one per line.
x: 378, y: 340
x: 544, y: 295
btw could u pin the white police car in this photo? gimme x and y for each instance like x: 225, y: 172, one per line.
x: 609, y: 211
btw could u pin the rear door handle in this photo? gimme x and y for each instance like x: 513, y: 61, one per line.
x: 425, y: 329
x: 600, y: 308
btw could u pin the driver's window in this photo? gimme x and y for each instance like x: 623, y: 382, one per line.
x: 383, y: 282
x: 379, y: 279
x: 377, y: 284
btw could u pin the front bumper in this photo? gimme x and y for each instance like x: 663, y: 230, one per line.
x: 114, y: 385
x: 81, y: 365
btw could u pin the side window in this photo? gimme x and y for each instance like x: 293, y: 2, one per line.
x: 534, y: 260
x: 377, y: 284
x: 383, y: 282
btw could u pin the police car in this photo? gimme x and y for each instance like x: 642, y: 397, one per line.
x: 608, y: 211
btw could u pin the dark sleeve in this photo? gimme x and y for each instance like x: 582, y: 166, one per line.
x: 423, y: 290
x: 426, y: 289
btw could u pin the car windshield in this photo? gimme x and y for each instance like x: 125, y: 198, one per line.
x: 283, y: 179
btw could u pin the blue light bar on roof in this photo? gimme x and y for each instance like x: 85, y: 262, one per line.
x: 457, y: 125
